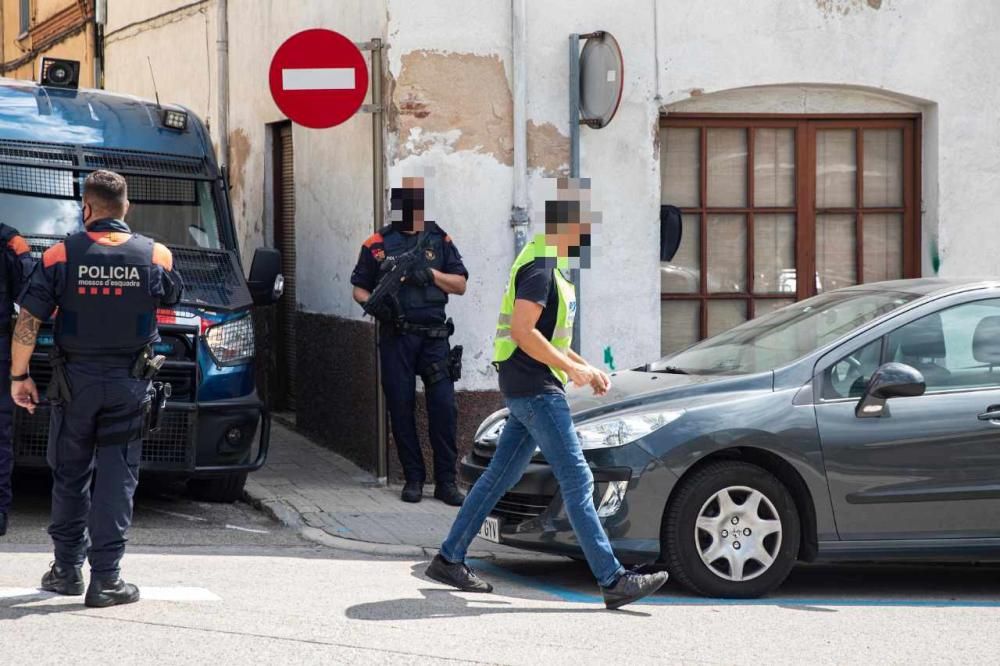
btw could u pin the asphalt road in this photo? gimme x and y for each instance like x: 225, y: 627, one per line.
x: 225, y: 585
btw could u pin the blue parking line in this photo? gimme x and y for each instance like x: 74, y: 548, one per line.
x: 573, y: 596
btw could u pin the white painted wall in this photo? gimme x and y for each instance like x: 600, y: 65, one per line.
x: 333, y: 168
x: 937, y: 58
x: 940, y: 53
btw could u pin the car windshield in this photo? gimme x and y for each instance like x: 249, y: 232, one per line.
x: 784, y: 335
x: 174, y: 212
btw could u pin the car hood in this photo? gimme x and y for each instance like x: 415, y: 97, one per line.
x: 632, y: 388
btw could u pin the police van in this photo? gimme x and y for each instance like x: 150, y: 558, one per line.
x: 215, y: 428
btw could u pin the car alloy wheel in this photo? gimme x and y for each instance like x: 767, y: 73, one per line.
x: 731, y: 529
x: 738, y: 533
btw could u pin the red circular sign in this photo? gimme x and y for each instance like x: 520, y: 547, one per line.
x: 318, y: 78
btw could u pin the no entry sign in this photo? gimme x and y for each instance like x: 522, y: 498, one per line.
x: 318, y: 78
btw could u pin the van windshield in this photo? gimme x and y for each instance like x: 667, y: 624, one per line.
x: 173, y: 212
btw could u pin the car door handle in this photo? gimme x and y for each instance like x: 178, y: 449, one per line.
x: 992, y: 413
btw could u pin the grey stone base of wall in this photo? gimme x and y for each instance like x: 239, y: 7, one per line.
x: 473, y: 407
x: 335, y: 400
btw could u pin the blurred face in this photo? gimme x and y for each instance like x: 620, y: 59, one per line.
x: 407, y: 205
x: 569, y: 222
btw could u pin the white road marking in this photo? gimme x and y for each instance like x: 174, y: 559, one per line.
x: 246, y: 529
x: 193, y: 519
x: 147, y: 593
x: 330, y: 78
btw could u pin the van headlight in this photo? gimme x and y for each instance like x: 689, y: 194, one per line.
x: 231, y: 342
x: 624, y: 429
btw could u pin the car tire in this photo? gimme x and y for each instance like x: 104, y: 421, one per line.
x: 713, y: 556
x: 223, y: 489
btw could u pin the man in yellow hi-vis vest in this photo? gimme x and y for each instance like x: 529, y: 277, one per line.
x: 534, y: 359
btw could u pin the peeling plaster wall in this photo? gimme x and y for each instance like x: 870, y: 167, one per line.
x: 941, y: 55
x: 453, y: 114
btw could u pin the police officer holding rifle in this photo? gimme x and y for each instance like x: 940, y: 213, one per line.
x: 403, y: 277
x: 107, y: 283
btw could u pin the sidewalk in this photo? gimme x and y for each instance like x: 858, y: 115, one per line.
x: 332, y: 501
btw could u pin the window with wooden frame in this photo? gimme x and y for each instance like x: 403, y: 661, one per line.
x: 766, y: 200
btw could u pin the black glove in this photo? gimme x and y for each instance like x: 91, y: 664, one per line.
x: 420, y: 277
x: 384, y: 312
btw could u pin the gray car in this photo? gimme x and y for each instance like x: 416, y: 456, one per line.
x: 863, y: 423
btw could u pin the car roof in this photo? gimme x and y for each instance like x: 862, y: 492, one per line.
x: 97, y: 118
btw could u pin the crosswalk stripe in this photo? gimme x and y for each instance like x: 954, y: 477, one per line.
x: 148, y: 593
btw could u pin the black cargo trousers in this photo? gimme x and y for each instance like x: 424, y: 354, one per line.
x: 100, y: 429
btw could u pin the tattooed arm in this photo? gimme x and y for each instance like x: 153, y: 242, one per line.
x: 24, y: 392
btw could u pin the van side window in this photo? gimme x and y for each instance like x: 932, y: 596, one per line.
x: 848, y: 377
x: 957, y: 348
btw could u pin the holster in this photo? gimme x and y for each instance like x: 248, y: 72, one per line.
x: 159, y: 392
x: 59, y: 390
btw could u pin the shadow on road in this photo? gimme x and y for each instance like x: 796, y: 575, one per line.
x: 444, y: 603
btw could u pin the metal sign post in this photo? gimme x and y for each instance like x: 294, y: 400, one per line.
x: 599, y: 71
x: 574, y: 159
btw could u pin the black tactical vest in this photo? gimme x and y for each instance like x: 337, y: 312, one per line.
x: 108, y: 306
x: 412, y: 297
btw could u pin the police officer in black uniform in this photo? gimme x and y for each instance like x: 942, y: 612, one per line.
x: 15, y: 267
x: 107, y: 284
x: 414, y: 338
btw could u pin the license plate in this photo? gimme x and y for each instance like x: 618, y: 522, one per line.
x: 490, y: 529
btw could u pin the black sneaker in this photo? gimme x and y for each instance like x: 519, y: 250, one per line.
x: 449, y: 494
x: 413, y: 491
x: 63, y: 580
x: 632, y: 586
x: 3, y: 523
x: 102, y: 593
x: 456, y: 575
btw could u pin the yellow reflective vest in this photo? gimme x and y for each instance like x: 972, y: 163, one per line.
x: 562, y: 336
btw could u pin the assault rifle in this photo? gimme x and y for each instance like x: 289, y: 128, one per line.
x: 383, y: 304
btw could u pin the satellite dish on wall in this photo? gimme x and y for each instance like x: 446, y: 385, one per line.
x: 601, y: 79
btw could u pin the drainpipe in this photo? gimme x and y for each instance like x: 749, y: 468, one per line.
x: 222, y: 47
x: 519, y: 211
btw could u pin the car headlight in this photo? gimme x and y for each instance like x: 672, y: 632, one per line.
x: 231, y: 342
x: 490, y: 429
x: 624, y: 428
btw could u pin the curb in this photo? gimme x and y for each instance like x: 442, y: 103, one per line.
x: 289, y: 517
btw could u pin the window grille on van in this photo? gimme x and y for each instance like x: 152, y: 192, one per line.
x: 87, y: 158
x: 35, y: 180
x: 212, y: 278
x: 144, y: 189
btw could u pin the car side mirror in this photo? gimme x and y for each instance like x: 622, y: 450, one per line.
x: 891, y: 380
x: 266, y: 283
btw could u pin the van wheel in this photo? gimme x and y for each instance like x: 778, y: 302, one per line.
x: 228, y: 488
x: 732, y: 530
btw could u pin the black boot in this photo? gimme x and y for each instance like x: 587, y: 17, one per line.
x: 413, y: 491
x: 110, y: 592
x: 63, y: 580
x: 632, y: 586
x: 3, y: 523
x: 449, y: 494
x: 456, y: 575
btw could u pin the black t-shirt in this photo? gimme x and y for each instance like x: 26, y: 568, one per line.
x: 521, y: 375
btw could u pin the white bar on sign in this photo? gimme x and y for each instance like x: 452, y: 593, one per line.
x: 332, y: 78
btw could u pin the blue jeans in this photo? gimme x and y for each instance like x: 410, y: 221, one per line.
x: 543, y: 420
